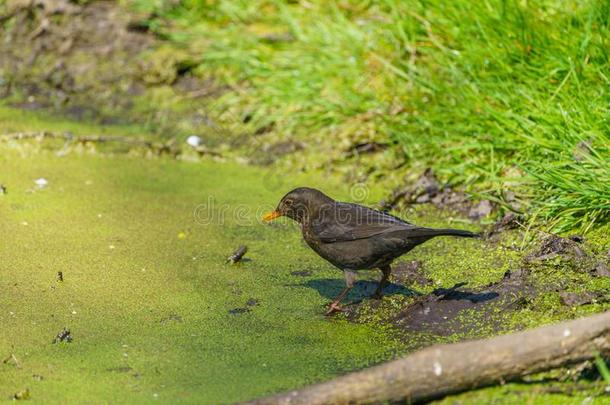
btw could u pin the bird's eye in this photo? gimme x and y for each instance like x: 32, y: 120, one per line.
x: 288, y: 203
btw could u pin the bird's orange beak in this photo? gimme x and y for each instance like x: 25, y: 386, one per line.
x: 272, y: 215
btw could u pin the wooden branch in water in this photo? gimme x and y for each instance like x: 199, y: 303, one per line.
x: 441, y: 370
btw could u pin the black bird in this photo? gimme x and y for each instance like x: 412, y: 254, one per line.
x: 353, y: 237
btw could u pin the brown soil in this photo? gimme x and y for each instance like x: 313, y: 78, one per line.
x: 95, y: 61
x: 76, y: 58
x: 440, y: 312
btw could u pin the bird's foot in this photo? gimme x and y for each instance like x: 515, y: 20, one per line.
x: 334, y: 307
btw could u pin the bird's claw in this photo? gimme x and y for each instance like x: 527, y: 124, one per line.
x: 334, y: 307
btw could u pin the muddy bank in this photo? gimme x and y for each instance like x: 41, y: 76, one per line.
x: 559, y: 276
x: 95, y: 61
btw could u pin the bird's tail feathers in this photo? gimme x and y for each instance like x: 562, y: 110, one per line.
x: 448, y: 232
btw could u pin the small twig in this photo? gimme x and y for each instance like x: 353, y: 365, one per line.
x: 12, y: 359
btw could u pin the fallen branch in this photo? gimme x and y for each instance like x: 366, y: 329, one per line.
x: 158, y: 147
x: 441, y: 370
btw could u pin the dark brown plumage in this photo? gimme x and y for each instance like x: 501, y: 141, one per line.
x: 353, y: 237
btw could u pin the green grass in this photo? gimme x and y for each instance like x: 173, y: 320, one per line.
x: 602, y: 367
x: 495, y: 95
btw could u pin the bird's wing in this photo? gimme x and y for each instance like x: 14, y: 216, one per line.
x: 345, y: 222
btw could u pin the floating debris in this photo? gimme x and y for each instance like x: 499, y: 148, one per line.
x: 63, y: 336
x: 252, y: 302
x: 21, y: 395
x: 302, y: 273
x: 60, y: 276
x: 123, y: 369
x: 171, y: 317
x: 41, y: 182
x: 236, y: 311
x: 12, y: 360
x: 238, y: 254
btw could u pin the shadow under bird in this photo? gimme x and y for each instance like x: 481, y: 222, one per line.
x: 353, y: 237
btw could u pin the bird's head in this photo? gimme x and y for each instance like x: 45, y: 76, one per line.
x: 299, y: 204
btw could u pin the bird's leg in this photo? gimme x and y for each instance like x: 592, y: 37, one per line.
x: 350, y: 279
x: 386, y: 270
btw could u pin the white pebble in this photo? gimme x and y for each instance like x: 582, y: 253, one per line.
x: 566, y: 333
x: 193, y: 140
x: 41, y: 182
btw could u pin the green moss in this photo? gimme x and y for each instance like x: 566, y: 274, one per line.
x: 538, y: 392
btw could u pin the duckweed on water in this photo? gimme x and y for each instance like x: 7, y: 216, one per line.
x: 147, y: 295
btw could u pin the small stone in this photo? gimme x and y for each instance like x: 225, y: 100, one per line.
x: 194, y: 141
x: 575, y: 299
x: 481, y: 210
